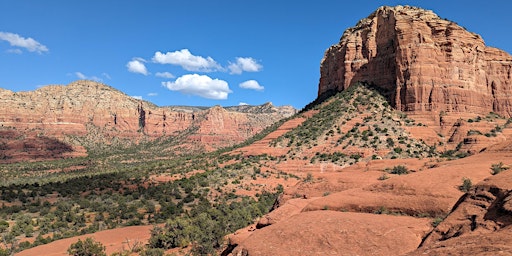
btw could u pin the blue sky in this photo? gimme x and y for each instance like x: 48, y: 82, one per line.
x: 200, y: 53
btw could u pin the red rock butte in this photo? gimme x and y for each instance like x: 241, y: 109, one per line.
x: 423, y: 62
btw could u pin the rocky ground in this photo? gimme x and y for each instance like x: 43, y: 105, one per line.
x: 115, y: 240
x: 410, y: 157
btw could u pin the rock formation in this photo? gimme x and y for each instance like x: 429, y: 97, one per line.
x: 101, y: 113
x: 423, y: 63
x: 479, y: 223
x: 336, y: 233
x: 449, y: 82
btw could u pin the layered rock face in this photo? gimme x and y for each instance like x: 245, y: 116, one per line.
x: 424, y: 62
x: 63, y: 110
x: 99, y: 112
x: 480, y: 223
x: 217, y: 125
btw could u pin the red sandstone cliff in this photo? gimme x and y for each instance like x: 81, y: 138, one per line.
x: 100, y: 113
x: 426, y: 63
x: 63, y: 110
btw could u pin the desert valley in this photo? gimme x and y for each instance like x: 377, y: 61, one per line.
x: 405, y: 151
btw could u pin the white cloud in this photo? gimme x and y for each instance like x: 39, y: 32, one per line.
x: 137, y: 97
x: 252, y: 84
x: 15, y: 51
x: 106, y: 75
x: 200, y: 85
x: 244, y: 64
x: 136, y: 65
x: 187, y: 61
x: 164, y: 75
x: 80, y: 75
x: 152, y: 94
x: 28, y: 43
x: 243, y: 104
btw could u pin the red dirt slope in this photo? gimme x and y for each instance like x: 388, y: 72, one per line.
x: 115, y: 240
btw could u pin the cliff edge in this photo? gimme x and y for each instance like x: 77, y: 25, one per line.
x: 422, y: 62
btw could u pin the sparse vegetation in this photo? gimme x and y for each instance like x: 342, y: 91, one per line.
x: 109, y: 191
x: 88, y: 247
x: 455, y: 153
x: 476, y: 119
x: 466, y: 185
x: 355, y: 129
x: 474, y: 132
x: 437, y: 221
x: 383, y: 177
x: 399, y: 170
x: 382, y: 210
x: 309, y: 177
x: 206, y: 225
x: 497, y: 168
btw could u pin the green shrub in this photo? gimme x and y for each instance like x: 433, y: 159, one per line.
x: 390, y: 142
x: 399, y: 169
x: 4, y: 225
x: 153, y: 252
x: 466, y: 185
x: 383, y: 177
x: 88, y: 247
x: 437, y: 221
x: 382, y: 210
x: 309, y: 177
x: 497, y: 168
x: 4, y: 252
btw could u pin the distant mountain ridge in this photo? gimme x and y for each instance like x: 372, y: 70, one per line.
x: 101, y: 114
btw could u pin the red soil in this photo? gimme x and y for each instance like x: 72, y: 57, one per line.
x: 115, y: 240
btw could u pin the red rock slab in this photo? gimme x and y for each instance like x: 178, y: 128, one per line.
x: 337, y: 233
x: 292, y: 207
x: 496, y: 243
x: 433, y: 191
x: 485, y: 211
